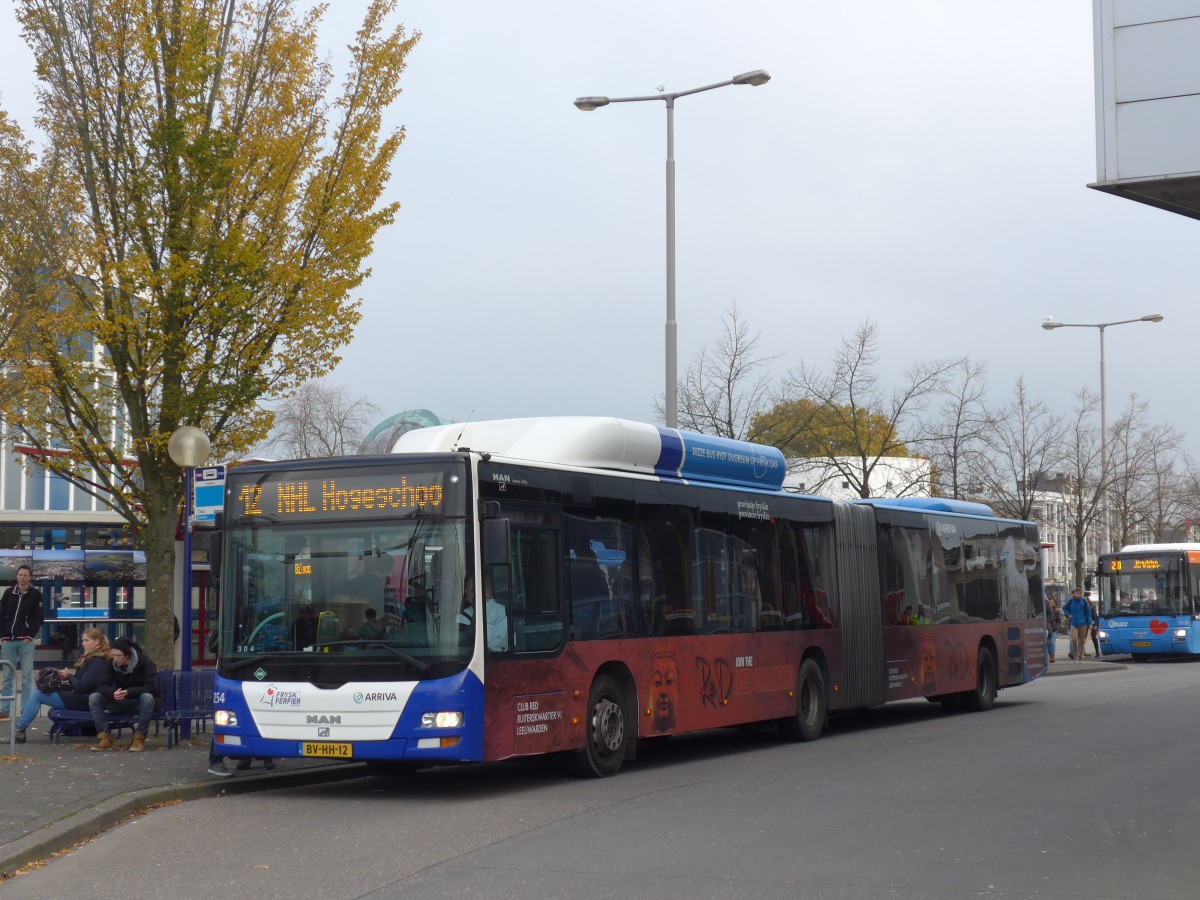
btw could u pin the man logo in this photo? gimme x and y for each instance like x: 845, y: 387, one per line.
x: 323, y: 720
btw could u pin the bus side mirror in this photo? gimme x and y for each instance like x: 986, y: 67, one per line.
x: 496, y: 538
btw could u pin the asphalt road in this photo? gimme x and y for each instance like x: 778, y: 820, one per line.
x: 1071, y: 787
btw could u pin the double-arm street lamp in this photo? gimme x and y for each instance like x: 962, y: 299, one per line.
x: 1049, y: 324
x: 587, y: 104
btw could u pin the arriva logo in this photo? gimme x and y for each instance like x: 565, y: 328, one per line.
x: 374, y: 698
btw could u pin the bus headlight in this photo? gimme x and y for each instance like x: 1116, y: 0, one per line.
x: 442, y: 720
x: 1104, y: 635
x: 225, y: 717
x: 1181, y: 634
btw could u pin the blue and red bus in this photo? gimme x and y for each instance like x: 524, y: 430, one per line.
x: 573, y: 586
x: 1148, y: 598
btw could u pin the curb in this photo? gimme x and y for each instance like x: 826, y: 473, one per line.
x: 1070, y: 668
x: 63, y: 835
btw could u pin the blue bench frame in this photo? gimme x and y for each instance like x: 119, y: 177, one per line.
x: 193, y: 704
x: 75, y: 721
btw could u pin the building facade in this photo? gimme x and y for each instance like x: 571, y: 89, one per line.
x: 82, y: 555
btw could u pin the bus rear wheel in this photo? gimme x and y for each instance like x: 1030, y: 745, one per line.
x: 984, y: 696
x: 811, y: 705
x: 607, y: 731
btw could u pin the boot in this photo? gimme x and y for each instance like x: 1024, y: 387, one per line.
x: 104, y: 741
x: 138, y: 744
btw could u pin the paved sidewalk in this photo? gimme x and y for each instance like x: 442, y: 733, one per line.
x: 53, y: 795
x: 1064, y: 665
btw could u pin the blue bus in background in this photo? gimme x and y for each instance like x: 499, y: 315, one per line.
x: 1148, y: 600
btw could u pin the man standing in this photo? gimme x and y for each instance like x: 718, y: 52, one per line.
x: 20, y: 622
x: 131, y: 687
x: 1079, y: 612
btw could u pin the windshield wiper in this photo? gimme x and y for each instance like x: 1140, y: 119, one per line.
x: 253, y: 660
x: 419, y: 664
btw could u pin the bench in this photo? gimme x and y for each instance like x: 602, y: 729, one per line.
x: 78, y: 722
x: 193, y: 703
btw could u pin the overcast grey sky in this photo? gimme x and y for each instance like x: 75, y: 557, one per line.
x: 920, y: 163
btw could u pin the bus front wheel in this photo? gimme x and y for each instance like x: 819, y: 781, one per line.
x: 607, y: 731
x: 811, y: 705
x: 984, y: 696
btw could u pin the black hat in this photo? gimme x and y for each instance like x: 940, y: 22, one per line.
x: 123, y: 645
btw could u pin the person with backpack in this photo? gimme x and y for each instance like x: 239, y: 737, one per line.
x: 1079, y: 613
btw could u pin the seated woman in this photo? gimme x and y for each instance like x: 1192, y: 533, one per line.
x: 79, y: 682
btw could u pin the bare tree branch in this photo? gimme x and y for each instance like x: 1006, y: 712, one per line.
x: 1023, y: 452
x: 956, y: 437
x: 1083, y: 491
x: 321, y: 419
x: 722, y: 390
x: 856, y: 406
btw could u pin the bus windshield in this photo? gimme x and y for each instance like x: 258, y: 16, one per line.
x: 1145, y: 586
x: 374, y: 585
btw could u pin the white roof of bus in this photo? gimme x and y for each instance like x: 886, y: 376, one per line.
x: 1159, y: 548
x: 591, y: 442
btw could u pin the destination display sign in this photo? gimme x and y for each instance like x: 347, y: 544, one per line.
x: 1130, y: 565
x: 344, y: 493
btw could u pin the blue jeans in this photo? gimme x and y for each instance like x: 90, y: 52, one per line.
x: 34, y: 706
x: 142, y: 704
x: 20, y: 654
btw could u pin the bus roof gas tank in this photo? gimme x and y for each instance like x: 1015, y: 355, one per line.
x: 607, y: 443
x: 935, y: 504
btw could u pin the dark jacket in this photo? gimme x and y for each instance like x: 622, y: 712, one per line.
x: 21, y: 614
x: 140, y: 678
x: 91, y: 674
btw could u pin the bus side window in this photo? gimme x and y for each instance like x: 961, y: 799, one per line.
x: 664, y: 535
x: 535, y: 614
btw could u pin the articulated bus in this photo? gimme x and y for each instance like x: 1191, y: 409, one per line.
x: 1148, y: 598
x: 572, y: 586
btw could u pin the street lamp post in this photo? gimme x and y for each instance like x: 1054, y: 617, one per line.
x: 188, y: 447
x: 588, y: 104
x: 1049, y: 324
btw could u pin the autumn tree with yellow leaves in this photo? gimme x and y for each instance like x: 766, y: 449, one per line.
x: 189, y: 239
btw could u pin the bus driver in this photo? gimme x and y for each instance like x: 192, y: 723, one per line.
x: 497, y: 615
